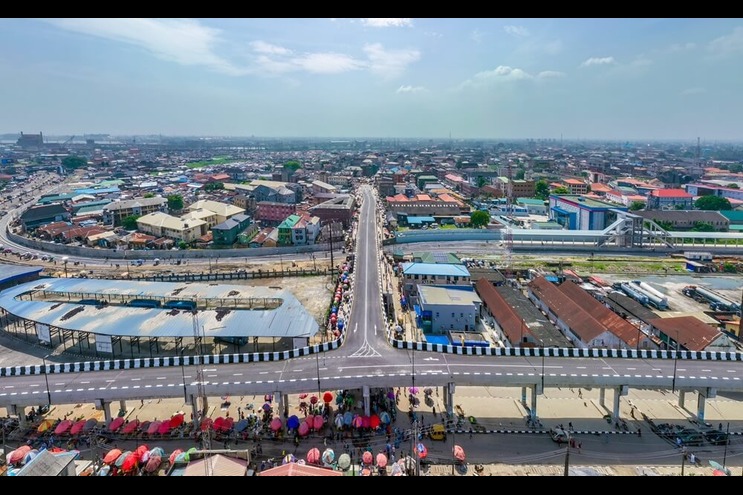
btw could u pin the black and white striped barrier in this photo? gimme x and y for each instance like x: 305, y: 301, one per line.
x: 566, y: 352
x: 123, y: 364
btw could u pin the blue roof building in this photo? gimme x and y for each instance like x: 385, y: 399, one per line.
x: 415, y: 274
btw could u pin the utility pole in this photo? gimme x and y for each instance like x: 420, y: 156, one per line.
x: 727, y: 440
x: 567, y: 455
x: 205, y: 436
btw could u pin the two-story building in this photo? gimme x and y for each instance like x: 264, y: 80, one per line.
x: 225, y: 233
x: 415, y: 274
x: 669, y: 199
x: 115, y: 212
x: 443, y: 309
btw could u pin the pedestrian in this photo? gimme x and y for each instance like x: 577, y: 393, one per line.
x: 632, y: 413
x: 470, y: 433
x: 580, y: 394
x: 433, y: 410
x: 580, y: 444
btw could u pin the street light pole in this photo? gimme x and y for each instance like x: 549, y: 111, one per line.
x: 183, y: 374
x: 675, y: 363
x: 46, y: 379
x: 727, y: 440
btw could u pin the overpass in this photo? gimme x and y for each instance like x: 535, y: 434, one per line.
x: 366, y: 356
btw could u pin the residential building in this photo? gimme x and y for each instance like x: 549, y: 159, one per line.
x: 285, y: 230
x: 115, y: 212
x: 415, y: 274
x: 222, y: 211
x: 161, y: 224
x: 270, y: 213
x: 670, y: 199
x: 37, y: 216
x: 225, y: 233
x: 575, y: 186
x: 339, y: 209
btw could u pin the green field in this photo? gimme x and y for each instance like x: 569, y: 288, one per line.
x: 214, y: 161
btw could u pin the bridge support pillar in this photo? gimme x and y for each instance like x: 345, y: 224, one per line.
x: 122, y: 405
x: 194, y: 409
x: 104, y: 406
x: 682, y: 398
x: 282, y: 407
x: 533, y: 411
x: 602, y: 397
x: 366, y: 392
x: 707, y: 393
x: 523, y: 396
x: 618, y: 393
x: 449, y: 398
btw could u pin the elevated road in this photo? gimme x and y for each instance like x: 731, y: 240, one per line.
x: 367, y: 359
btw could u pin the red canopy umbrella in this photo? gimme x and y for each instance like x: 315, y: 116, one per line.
x: 176, y: 421
x: 130, y: 427
x: 154, y: 426
x: 318, y: 422
x: 421, y: 450
x: 367, y: 457
x: 302, y: 396
x: 62, y: 427
x: 458, y: 453
x: 217, y: 425
x: 227, y: 424
x: 130, y: 463
x: 304, y: 429
x: 365, y: 421
x: 111, y: 456
x: 18, y: 454
x: 206, y: 423
x: 275, y: 424
x: 313, y: 399
x: 141, y: 450
x: 164, y: 428
x: 175, y: 453
x: 327, y: 397
x: 116, y: 423
x: 313, y: 456
x: 374, y: 421
x: 77, y: 428
x: 381, y: 460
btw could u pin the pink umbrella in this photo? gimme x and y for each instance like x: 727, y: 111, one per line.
x: 275, y: 424
x: 304, y: 429
x: 310, y: 420
x: 381, y: 460
x: 130, y: 427
x: 413, y: 390
x: 313, y: 456
x: 116, y: 423
x: 313, y: 399
x: 318, y: 422
x: 77, y: 428
x: 154, y: 427
x: 358, y: 421
x: 164, y: 428
x: 302, y: 396
x: 458, y: 453
x: 18, y: 454
x: 62, y: 427
x: 367, y: 458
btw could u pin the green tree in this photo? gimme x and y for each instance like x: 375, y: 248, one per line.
x: 561, y: 190
x: 702, y: 227
x: 292, y: 165
x: 664, y: 224
x: 520, y: 173
x: 183, y: 245
x: 175, y: 202
x: 213, y: 186
x: 637, y: 205
x: 733, y: 185
x: 74, y: 162
x: 479, y: 219
x: 130, y: 222
x: 715, y: 203
x: 542, y: 189
x: 482, y: 181
x: 149, y: 195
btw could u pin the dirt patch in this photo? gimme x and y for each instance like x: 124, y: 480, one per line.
x: 72, y: 313
x: 55, y: 306
x: 233, y: 293
x: 173, y: 312
x: 221, y: 313
x: 177, y: 291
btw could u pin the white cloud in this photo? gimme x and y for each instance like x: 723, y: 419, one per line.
x: 410, y: 89
x: 182, y: 41
x: 550, y: 74
x: 389, y: 63
x: 387, y: 21
x: 693, y: 91
x: 598, y: 61
x: 477, y: 36
x: 729, y: 44
x: 502, y: 73
x: 327, y: 63
x: 268, y: 48
x: 518, y: 31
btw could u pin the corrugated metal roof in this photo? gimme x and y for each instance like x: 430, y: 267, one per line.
x: 290, y: 319
x: 9, y: 272
x: 413, y: 268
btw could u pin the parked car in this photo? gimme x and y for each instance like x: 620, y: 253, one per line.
x: 717, y: 437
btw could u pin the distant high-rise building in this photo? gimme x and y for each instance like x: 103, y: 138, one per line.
x: 30, y: 140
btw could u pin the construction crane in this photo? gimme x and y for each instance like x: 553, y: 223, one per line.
x: 198, y: 346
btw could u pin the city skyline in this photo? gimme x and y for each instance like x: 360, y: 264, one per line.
x: 593, y: 79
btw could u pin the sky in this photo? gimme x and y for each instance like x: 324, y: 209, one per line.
x: 480, y: 78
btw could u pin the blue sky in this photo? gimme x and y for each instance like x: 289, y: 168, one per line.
x: 618, y: 79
